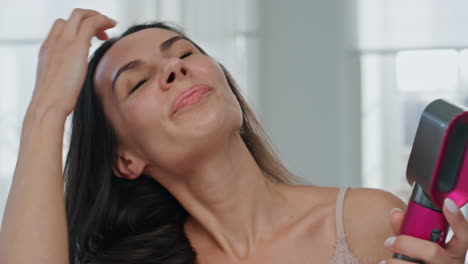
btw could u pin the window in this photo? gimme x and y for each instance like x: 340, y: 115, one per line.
x: 397, y: 86
x: 411, y: 54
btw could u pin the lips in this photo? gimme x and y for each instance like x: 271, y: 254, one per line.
x: 185, y: 94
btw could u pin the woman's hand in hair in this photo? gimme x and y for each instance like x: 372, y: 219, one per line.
x: 63, y: 60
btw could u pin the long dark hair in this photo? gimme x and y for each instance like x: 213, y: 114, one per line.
x: 114, y: 220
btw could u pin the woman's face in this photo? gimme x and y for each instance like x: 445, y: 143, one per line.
x: 139, y: 79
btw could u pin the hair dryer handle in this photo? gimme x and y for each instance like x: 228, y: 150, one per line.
x: 424, y: 223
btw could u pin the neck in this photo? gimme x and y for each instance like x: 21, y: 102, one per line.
x: 230, y: 202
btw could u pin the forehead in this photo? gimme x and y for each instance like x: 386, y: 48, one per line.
x: 138, y: 45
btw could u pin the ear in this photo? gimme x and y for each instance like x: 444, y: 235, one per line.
x: 127, y: 166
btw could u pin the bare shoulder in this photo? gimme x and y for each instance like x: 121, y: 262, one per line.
x: 309, y: 197
x: 367, y: 222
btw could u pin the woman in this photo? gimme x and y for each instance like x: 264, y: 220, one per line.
x: 167, y: 164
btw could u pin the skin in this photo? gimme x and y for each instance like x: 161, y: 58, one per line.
x: 34, y: 227
x: 237, y: 214
x: 198, y: 154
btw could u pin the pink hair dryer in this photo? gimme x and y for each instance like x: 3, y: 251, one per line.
x: 438, y: 168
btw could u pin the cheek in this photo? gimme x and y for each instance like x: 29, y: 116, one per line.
x: 237, y: 112
x: 210, y: 70
x: 231, y: 105
x: 213, y: 71
x: 142, y: 114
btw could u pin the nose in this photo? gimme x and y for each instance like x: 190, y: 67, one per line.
x: 174, y: 71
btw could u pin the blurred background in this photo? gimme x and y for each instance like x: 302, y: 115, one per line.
x: 338, y: 84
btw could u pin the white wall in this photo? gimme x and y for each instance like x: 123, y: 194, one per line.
x: 310, y: 93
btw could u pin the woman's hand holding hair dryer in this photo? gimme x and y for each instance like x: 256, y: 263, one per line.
x: 431, y: 253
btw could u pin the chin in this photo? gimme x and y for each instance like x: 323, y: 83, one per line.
x: 215, y: 124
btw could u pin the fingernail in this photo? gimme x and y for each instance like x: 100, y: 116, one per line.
x: 383, y: 262
x: 389, y: 241
x: 394, y: 210
x: 451, y: 206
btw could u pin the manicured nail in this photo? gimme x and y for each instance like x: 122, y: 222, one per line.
x: 394, y: 210
x: 451, y: 206
x: 383, y: 262
x: 389, y: 241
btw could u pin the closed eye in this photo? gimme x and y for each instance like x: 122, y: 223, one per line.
x: 137, y: 85
x: 186, y: 55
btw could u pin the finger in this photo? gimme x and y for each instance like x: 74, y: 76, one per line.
x: 412, y: 247
x: 458, y: 245
x: 93, y: 25
x: 56, y: 30
x: 102, y: 35
x: 396, y: 220
x: 75, y: 20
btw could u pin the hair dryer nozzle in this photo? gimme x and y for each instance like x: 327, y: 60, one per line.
x: 439, y: 159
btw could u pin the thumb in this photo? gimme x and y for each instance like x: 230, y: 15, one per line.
x: 396, y: 219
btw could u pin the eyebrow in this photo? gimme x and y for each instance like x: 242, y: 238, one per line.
x: 167, y: 44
